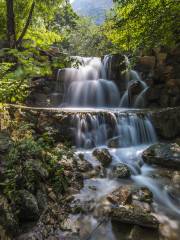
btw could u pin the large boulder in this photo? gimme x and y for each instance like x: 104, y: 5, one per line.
x: 103, y: 155
x: 163, y: 154
x: 133, y: 214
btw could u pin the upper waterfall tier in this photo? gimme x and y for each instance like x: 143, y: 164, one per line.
x: 92, y: 82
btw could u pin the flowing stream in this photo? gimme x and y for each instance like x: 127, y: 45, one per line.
x: 90, y: 86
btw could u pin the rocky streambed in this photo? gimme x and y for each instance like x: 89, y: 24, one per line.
x: 113, y: 192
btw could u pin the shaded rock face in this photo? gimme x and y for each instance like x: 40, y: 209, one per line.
x: 161, y: 72
x: 165, y: 155
x: 103, y: 156
x: 117, y: 70
x: 166, y: 123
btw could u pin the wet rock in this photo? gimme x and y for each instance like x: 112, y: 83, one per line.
x: 121, y: 196
x: 83, y: 165
x: 103, y: 155
x: 7, y: 219
x: 115, y: 142
x: 27, y: 206
x: 121, y: 171
x: 132, y: 214
x: 163, y: 154
x: 143, y: 194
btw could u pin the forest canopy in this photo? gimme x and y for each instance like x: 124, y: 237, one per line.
x: 30, y: 28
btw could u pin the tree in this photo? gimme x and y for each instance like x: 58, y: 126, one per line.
x: 11, y: 33
x: 137, y: 24
x: 26, y: 10
x: 87, y: 39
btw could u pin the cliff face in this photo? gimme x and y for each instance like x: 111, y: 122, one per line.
x: 92, y: 8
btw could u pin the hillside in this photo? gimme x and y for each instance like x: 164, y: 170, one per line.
x: 92, y: 8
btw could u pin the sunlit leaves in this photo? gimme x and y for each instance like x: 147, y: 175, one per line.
x: 137, y: 24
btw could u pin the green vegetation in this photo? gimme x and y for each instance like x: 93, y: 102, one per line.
x: 135, y: 24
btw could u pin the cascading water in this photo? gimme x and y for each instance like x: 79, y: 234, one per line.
x: 125, y: 133
x: 85, y: 86
x: 93, y: 130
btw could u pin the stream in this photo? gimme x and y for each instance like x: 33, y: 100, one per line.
x: 125, y: 135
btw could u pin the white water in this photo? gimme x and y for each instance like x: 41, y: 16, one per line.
x: 89, y: 87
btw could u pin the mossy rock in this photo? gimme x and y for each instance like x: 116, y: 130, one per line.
x: 8, y: 221
x: 27, y: 207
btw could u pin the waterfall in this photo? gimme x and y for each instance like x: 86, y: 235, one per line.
x: 93, y: 130
x: 85, y: 88
x: 103, y: 117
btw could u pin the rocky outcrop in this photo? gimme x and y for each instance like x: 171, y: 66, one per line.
x: 166, y: 122
x: 161, y: 72
x: 163, y: 154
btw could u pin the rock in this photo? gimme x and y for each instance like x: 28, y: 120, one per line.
x: 134, y: 215
x: 166, y: 122
x: 7, y: 219
x: 145, y: 64
x: 4, y: 141
x: 163, y: 154
x: 115, y: 142
x: 121, y: 171
x: 27, y: 206
x: 176, y: 178
x: 83, y: 165
x: 41, y: 199
x: 141, y: 233
x: 121, y: 196
x: 103, y: 155
x: 143, y: 194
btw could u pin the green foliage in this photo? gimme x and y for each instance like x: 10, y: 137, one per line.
x: 137, y: 24
x: 87, y: 39
x: 18, y: 68
x: 31, y: 160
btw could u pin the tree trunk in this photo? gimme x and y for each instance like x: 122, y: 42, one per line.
x: 19, y: 41
x: 11, y: 33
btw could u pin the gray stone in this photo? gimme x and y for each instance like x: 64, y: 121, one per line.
x: 121, y: 171
x: 163, y: 154
x: 134, y: 215
x: 103, y: 155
